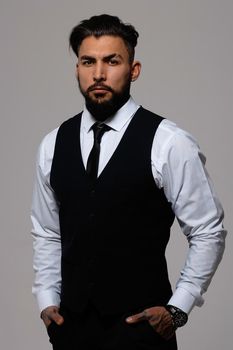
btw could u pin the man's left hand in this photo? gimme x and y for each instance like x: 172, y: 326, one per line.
x: 158, y: 317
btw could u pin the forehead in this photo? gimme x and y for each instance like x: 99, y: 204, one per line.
x: 103, y: 46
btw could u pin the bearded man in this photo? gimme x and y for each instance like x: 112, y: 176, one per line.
x: 109, y: 183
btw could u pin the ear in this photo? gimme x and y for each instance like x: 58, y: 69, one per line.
x: 76, y: 70
x: 135, y: 70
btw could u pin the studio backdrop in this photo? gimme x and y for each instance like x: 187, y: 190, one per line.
x: 186, y: 51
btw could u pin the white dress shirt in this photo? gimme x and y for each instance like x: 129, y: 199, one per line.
x: 178, y: 167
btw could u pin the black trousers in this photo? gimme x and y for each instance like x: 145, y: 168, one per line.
x: 90, y: 331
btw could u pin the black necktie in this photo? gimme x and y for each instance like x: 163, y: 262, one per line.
x: 93, y: 159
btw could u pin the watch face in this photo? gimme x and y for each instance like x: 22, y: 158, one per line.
x: 180, y: 318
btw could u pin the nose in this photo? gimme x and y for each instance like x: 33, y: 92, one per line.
x: 99, y: 73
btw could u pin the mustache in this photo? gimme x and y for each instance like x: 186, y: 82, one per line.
x: 99, y: 85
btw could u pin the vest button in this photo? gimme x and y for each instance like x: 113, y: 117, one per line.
x: 92, y: 193
x: 91, y: 285
x: 91, y: 262
x: 91, y: 216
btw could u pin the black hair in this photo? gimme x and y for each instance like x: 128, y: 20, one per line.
x: 104, y: 25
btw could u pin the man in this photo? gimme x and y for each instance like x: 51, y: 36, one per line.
x: 109, y: 183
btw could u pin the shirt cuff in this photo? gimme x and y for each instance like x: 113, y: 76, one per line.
x: 183, y: 300
x: 47, y: 298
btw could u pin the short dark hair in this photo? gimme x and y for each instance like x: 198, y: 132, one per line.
x: 104, y: 25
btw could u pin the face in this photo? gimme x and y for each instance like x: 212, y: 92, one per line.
x: 104, y: 74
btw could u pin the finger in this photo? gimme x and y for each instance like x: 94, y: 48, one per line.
x: 168, y: 334
x: 51, y: 314
x: 46, y: 320
x: 57, y: 318
x: 162, y: 323
x: 137, y: 317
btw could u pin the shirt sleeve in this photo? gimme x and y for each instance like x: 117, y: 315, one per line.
x: 179, y: 168
x: 45, y: 230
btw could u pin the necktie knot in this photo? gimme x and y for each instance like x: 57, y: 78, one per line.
x: 99, y: 129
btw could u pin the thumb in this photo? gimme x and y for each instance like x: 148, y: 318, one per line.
x: 51, y: 313
x: 57, y: 318
x: 141, y: 316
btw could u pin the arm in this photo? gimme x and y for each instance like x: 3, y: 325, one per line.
x: 46, y: 232
x: 179, y: 168
x: 189, y: 188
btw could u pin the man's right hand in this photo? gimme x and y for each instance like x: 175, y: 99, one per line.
x: 51, y: 314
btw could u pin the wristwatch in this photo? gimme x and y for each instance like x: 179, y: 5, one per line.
x: 179, y: 317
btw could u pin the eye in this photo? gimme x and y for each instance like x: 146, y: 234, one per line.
x: 113, y: 62
x: 87, y: 63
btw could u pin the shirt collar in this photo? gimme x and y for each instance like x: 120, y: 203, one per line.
x: 117, y: 121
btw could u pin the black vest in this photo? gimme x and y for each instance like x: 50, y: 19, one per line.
x: 113, y: 233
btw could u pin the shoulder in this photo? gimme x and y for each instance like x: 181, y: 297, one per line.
x: 47, y: 145
x: 46, y: 148
x: 170, y: 133
x: 70, y: 122
x: 171, y: 141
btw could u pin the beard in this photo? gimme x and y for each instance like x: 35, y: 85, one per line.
x: 101, y: 110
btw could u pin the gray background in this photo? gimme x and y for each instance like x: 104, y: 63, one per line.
x: 187, y: 55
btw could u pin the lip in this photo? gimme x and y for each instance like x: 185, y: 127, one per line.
x: 99, y: 89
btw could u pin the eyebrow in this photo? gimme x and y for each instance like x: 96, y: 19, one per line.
x: 106, y: 58
x: 113, y: 55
